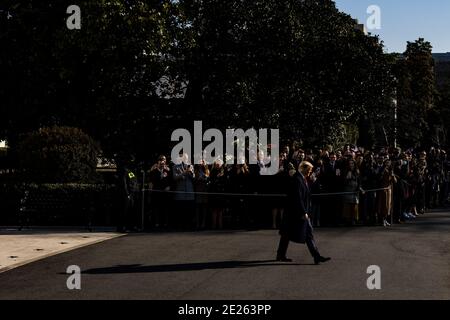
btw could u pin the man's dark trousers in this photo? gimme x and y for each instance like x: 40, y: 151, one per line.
x: 284, y: 242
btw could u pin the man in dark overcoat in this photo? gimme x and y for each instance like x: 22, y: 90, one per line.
x: 296, y: 225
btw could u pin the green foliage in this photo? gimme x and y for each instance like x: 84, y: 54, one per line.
x: 101, y: 78
x: 441, y: 115
x: 300, y: 66
x: 58, y: 154
x: 416, y: 93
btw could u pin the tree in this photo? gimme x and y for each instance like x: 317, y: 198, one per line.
x: 139, y: 69
x: 440, y: 116
x: 416, y: 93
x: 102, y: 78
x: 58, y: 154
x: 300, y: 66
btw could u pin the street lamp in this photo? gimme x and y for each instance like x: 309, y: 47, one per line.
x: 395, y: 102
x: 395, y: 120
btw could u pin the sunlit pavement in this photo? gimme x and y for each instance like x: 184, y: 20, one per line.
x: 21, y: 247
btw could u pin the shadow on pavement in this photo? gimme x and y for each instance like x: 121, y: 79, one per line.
x: 138, y: 268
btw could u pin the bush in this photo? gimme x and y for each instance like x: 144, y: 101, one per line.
x: 58, y: 155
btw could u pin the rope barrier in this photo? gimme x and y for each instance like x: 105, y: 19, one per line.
x: 258, y: 194
x: 347, y: 193
x: 221, y: 193
x: 380, y: 189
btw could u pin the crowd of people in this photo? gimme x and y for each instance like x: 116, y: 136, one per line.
x: 351, y: 186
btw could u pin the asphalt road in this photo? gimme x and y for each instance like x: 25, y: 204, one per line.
x: 414, y: 259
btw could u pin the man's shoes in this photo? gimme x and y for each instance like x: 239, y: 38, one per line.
x: 320, y: 259
x: 283, y: 259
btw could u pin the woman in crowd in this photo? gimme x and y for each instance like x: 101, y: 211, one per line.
x: 387, y: 179
x: 368, y: 182
x: 352, y: 187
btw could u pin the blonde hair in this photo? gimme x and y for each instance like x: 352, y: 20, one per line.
x: 305, y: 165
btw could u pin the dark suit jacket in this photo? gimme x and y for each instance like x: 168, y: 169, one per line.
x: 293, y: 225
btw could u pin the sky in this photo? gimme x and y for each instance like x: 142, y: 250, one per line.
x: 405, y: 20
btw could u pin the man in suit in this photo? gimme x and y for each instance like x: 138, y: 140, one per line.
x: 332, y: 182
x: 296, y: 225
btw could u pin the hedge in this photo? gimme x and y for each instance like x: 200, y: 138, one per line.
x: 60, y: 204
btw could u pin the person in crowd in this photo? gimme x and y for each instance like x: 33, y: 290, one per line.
x: 298, y: 157
x: 400, y: 189
x: 446, y: 178
x: 201, y: 181
x: 218, y: 182
x: 242, y: 181
x: 257, y: 208
x: 276, y: 185
x: 315, y: 183
x: 296, y: 224
x: 339, y: 159
x: 128, y: 190
x: 324, y: 155
x: 159, y: 177
x: 412, y: 184
x: 435, y: 181
x: 352, y: 188
x: 331, y: 182
x: 387, y: 179
x: 359, y: 159
x: 368, y: 182
x: 396, y: 153
x: 309, y: 156
x: 183, y: 177
x: 421, y: 177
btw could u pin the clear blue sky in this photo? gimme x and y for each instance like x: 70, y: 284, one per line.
x: 406, y: 20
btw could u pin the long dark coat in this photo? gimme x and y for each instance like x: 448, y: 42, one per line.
x: 298, y: 195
